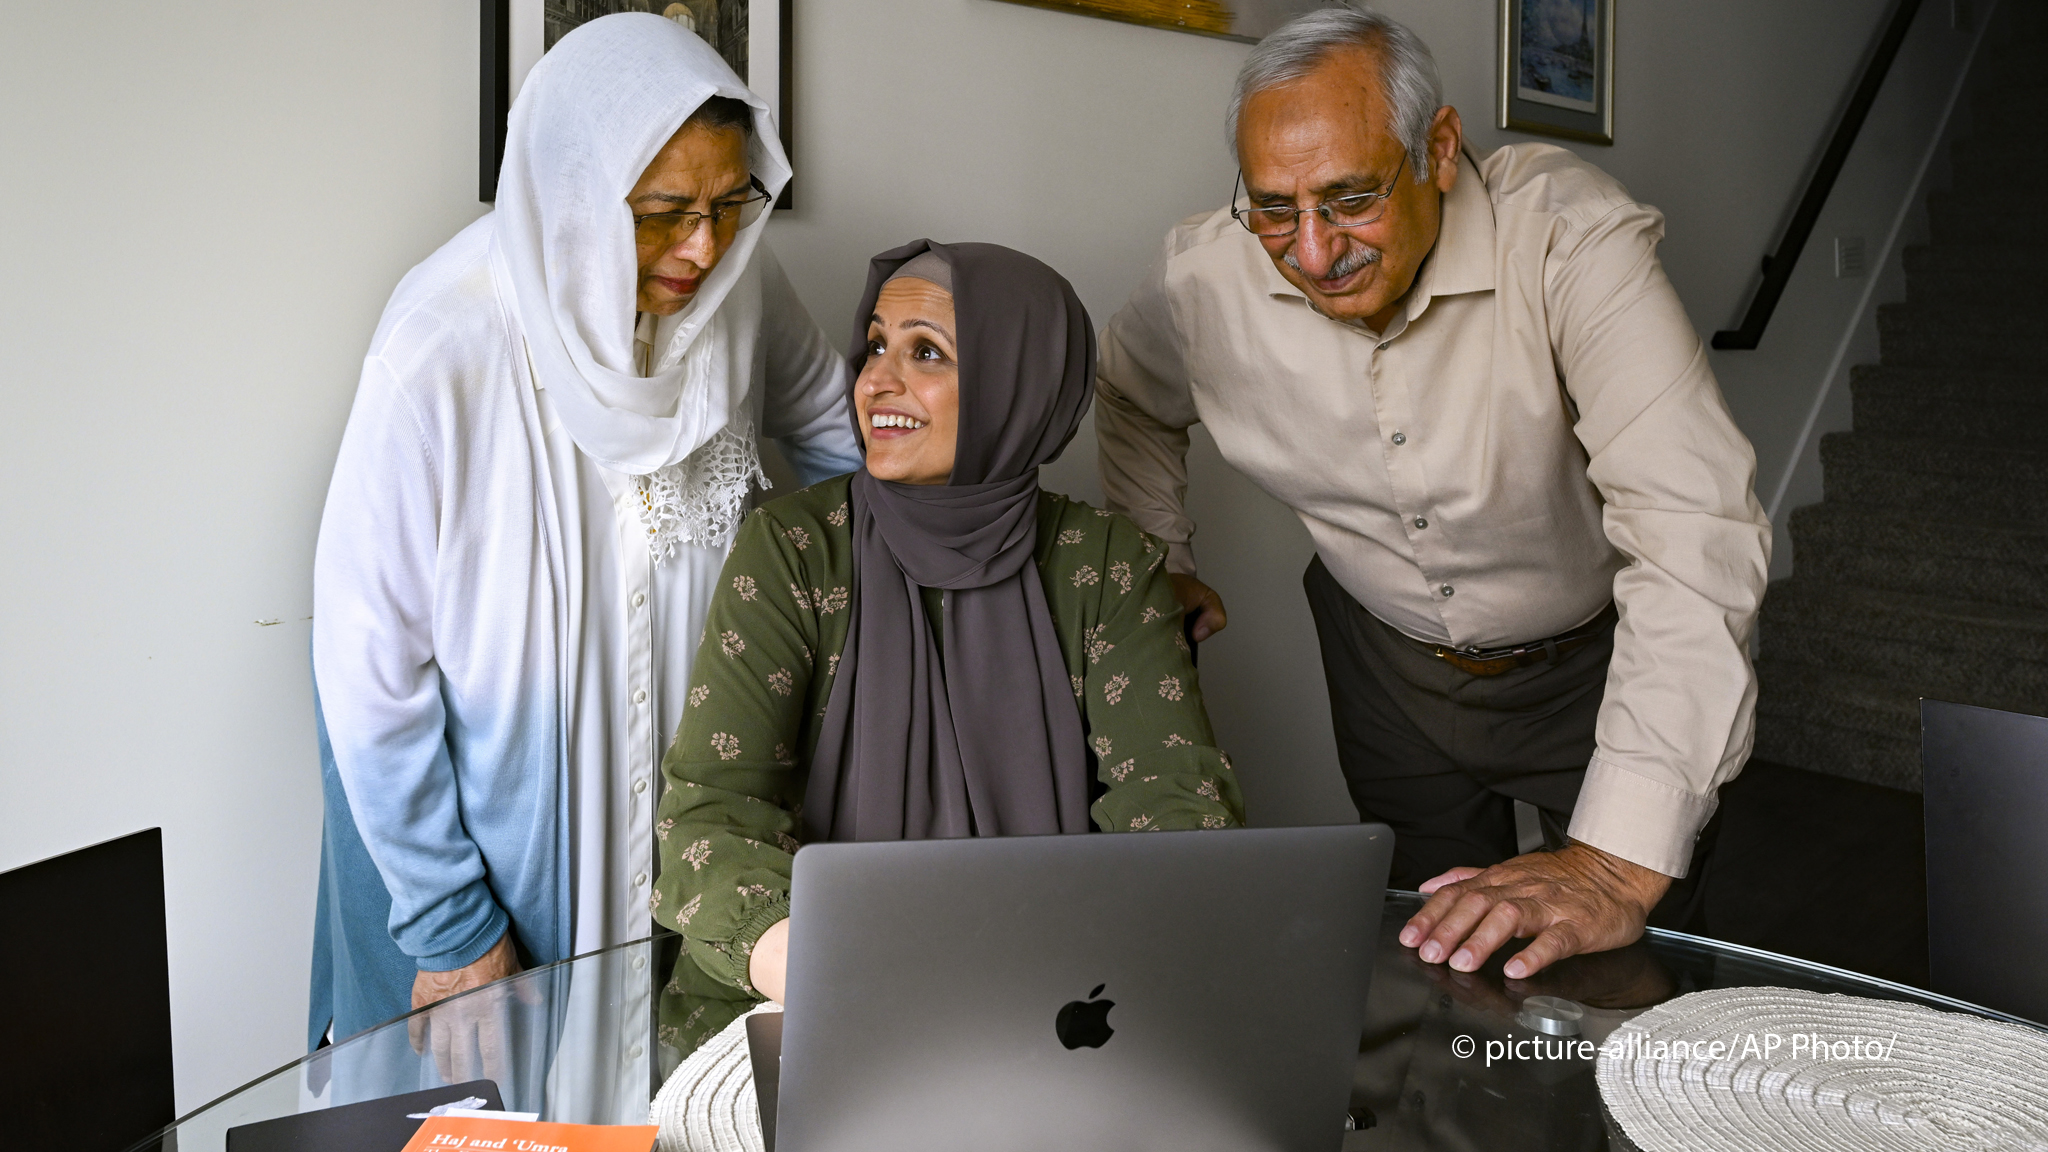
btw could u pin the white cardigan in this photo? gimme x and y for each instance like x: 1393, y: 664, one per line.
x: 498, y: 662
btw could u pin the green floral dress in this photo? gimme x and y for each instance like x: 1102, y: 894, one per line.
x: 735, y: 775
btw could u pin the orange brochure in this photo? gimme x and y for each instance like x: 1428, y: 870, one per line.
x: 479, y: 1134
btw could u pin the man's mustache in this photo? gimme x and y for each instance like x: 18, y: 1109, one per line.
x: 1350, y: 262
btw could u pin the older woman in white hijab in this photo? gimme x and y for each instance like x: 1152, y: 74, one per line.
x: 551, y: 444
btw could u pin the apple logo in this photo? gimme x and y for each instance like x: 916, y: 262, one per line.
x: 1085, y: 1023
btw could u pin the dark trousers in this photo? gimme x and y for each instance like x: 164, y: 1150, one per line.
x: 1441, y: 755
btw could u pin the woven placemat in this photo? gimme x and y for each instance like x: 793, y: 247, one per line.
x: 1770, y: 1069
x: 707, y: 1104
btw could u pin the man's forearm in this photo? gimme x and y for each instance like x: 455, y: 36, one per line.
x: 1144, y: 471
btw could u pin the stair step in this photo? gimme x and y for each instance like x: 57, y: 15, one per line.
x: 1966, y: 322
x: 1985, y: 160
x: 2008, y: 213
x: 2004, y: 107
x: 1969, y: 481
x: 2011, y: 52
x: 2018, y: 201
x: 1993, y: 656
x: 2014, y: 19
x: 1837, y: 723
x: 1923, y: 554
x: 2004, y: 87
x: 2009, y: 121
x: 1994, y: 276
x: 1954, y: 406
x: 1930, y: 336
x: 2003, y: 68
x: 2007, y: 62
x: 1980, y: 259
x: 1991, y: 155
x: 1831, y: 751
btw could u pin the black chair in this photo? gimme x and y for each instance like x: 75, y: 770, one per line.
x: 1985, y: 775
x: 85, y: 999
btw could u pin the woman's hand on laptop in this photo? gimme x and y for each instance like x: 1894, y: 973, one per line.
x: 1577, y: 899
x: 768, y: 967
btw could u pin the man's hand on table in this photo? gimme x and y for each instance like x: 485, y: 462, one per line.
x: 1630, y: 977
x: 1197, y: 596
x: 466, y: 1036
x: 1578, y: 899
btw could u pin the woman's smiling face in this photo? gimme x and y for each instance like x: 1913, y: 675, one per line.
x: 908, y: 393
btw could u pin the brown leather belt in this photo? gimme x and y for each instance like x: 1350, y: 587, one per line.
x: 1496, y: 661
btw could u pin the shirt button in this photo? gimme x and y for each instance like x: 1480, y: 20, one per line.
x: 1400, y: 438
x: 633, y: 1053
x: 639, y: 598
x: 640, y: 697
x: 639, y: 786
x: 639, y: 879
x: 1421, y: 523
x: 1447, y: 590
x: 639, y: 962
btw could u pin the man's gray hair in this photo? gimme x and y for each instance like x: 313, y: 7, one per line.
x: 1407, y: 70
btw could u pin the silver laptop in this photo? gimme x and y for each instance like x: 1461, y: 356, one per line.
x: 1187, y: 990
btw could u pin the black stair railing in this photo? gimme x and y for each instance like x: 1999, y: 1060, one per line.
x: 1778, y: 265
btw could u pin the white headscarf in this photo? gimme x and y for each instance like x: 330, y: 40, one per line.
x: 589, y: 119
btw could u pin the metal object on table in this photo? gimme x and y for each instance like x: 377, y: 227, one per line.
x: 1552, y: 1015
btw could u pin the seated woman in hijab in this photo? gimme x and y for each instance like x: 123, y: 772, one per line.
x: 931, y: 646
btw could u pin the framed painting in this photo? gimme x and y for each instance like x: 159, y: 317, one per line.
x: 1247, y: 20
x: 752, y: 35
x: 1557, y: 68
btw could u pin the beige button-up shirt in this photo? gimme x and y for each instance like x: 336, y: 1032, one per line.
x: 1538, y: 433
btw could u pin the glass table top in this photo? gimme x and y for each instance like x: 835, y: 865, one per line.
x: 578, y: 1042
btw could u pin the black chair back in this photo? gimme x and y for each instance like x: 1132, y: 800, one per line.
x: 85, y: 999
x: 1985, y: 775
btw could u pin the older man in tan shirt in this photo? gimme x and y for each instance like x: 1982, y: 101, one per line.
x: 1539, y: 555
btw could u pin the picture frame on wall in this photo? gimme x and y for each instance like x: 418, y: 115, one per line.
x: 1247, y: 21
x: 751, y: 35
x: 1557, y: 68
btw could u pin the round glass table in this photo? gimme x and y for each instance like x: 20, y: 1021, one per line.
x: 580, y: 1042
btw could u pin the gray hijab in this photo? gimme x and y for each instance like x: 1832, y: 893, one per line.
x: 983, y: 738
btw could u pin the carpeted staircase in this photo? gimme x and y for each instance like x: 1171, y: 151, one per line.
x: 1924, y: 571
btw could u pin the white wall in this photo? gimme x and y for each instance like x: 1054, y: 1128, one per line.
x: 205, y: 205
x: 202, y: 210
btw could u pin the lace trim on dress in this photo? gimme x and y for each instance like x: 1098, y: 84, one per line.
x: 701, y: 498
